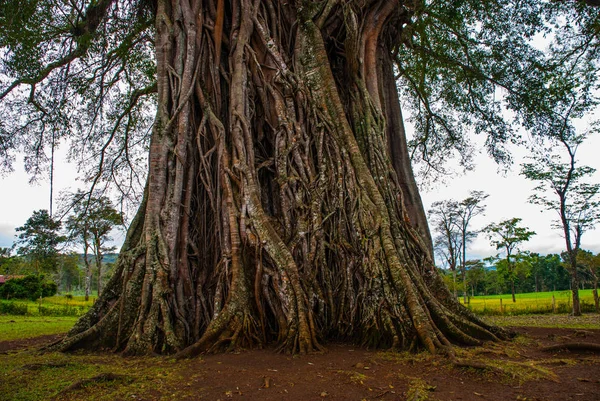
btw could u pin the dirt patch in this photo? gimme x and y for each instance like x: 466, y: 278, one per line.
x: 346, y: 373
x: 34, y: 342
x: 522, y: 371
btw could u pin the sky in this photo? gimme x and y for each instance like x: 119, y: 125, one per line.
x: 509, y: 193
x: 508, y: 198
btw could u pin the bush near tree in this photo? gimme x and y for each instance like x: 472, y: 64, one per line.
x: 29, y: 287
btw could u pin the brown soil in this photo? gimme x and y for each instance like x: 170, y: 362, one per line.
x: 352, y: 373
x: 35, y: 342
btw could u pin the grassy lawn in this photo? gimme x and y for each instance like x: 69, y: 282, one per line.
x: 563, y: 321
x: 528, y: 303
x: 58, y: 305
x: 22, y: 327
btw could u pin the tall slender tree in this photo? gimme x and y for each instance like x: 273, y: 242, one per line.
x: 562, y: 188
x: 451, y: 221
x: 280, y: 203
x: 447, y: 243
x: 468, y: 208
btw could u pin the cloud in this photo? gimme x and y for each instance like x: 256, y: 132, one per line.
x: 7, y: 235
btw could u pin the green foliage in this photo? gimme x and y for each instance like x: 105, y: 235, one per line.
x: 463, y: 62
x: 460, y: 64
x: 12, y: 308
x: 533, y: 273
x: 508, y: 235
x: 29, y: 287
x: 48, y: 50
x: 39, y: 240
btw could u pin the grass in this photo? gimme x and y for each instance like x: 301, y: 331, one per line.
x: 528, y: 303
x: 58, y: 305
x: 564, y: 321
x: 23, y: 327
x: 31, y: 376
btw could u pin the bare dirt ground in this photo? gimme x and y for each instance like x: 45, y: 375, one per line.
x: 519, y: 370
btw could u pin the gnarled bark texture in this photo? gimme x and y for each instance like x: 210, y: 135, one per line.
x: 280, y: 205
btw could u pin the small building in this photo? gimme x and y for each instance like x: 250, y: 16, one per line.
x: 4, y: 279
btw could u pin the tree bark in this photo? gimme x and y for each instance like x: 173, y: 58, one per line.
x: 98, y: 256
x: 596, y: 299
x: 280, y: 205
x: 88, y: 271
x: 512, y: 290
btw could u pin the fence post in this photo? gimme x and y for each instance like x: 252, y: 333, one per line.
x: 553, y: 304
x: 501, y: 310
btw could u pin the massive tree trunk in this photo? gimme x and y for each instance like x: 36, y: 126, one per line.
x: 280, y: 205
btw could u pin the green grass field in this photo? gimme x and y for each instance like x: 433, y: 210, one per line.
x: 58, y: 305
x: 23, y: 327
x: 529, y: 303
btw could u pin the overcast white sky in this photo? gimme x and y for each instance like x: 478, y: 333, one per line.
x: 508, y: 198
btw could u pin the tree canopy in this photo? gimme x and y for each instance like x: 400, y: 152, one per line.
x: 84, y: 72
x: 39, y: 239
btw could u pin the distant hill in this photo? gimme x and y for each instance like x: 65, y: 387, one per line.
x: 108, y: 258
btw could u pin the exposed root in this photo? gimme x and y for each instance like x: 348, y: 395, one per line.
x: 477, y: 366
x: 101, y: 378
x: 512, y: 370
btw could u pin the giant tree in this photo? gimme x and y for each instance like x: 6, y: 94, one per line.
x: 280, y: 203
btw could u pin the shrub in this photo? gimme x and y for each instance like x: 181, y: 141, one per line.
x: 12, y: 308
x: 49, y: 288
x: 31, y: 287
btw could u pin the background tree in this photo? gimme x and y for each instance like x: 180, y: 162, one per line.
x: 443, y: 217
x: 591, y: 263
x: 90, y: 223
x: 562, y: 188
x: 467, y: 209
x: 38, y: 241
x: 451, y: 220
x: 68, y: 276
x: 476, y: 275
x: 4, y: 259
x: 507, y: 235
x: 280, y: 203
